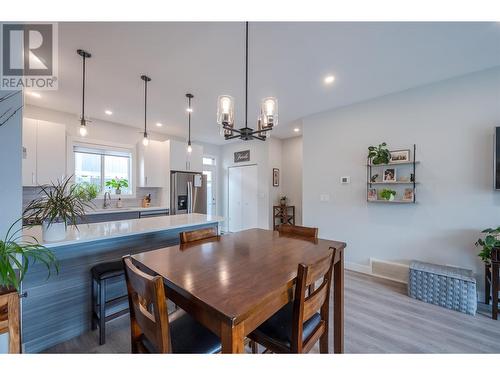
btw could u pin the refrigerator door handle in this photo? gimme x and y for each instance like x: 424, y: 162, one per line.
x: 190, y: 197
x: 173, y: 201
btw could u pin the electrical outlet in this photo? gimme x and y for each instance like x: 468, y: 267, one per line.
x: 324, y: 197
x: 345, y: 180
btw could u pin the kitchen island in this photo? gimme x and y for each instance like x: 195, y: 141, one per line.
x: 59, y: 308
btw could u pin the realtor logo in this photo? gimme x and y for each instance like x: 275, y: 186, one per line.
x: 29, y: 56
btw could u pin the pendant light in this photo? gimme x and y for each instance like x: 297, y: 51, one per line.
x: 189, y: 111
x: 267, y: 120
x: 83, y: 121
x: 146, y: 79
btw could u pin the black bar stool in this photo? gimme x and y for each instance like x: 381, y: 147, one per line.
x: 103, y: 273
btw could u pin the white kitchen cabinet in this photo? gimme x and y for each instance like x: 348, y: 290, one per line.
x: 152, y: 164
x: 44, y: 152
x: 181, y: 160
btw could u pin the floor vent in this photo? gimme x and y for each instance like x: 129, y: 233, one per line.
x: 389, y: 270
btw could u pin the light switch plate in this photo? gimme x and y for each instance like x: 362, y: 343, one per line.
x: 324, y: 197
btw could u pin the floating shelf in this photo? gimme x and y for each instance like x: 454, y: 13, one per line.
x: 392, y: 183
x: 394, y: 201
x: 392, y: 164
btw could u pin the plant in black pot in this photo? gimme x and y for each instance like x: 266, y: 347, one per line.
x: 17, y: 253
x: 60, y: 205
x: 379, y: 155
x: 486, y: 244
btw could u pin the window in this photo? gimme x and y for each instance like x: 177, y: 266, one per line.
x: 99, y: 164
x: 208, y: 161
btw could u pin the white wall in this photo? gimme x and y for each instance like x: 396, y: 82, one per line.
x: 452, y: 123
x: 275, y: 161
x: 291, y: 174
x: 10, y: 170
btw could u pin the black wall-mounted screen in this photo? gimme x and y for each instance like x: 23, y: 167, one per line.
x: 497, y: 158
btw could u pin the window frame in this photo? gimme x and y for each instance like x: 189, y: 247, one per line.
x: 99, y: 144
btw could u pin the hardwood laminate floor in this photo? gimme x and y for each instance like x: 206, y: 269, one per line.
x: 379, y: 318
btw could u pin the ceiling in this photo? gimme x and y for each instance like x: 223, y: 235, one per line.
x: 288, y: 60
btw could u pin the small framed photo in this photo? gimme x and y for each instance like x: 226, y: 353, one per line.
x: 408, y: 194
x: 372, y: 194
x: 276, y: 177
x: 400, y: 156
x: 389, y: 175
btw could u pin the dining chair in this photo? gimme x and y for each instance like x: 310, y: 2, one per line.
x: 297, y: 326
x: 198, y: 235
x: 152, y: 329
x: 306, y: 232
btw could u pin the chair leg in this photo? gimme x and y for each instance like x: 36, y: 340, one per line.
x: 494, y: 287
x: 102, y: 312
x: 254, y: 346
x: 93, y: 324
x: 487, y: 285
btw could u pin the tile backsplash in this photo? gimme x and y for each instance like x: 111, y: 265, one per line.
x: 30, y: 193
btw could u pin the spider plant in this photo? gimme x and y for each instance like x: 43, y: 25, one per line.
x: 17, y: 253
x: 60, y: 202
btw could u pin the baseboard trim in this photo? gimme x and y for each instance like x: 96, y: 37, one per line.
x: 367, y: 270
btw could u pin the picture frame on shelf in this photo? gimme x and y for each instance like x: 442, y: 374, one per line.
x: 372, y: 194
x: 389, y: 175
x: 276, y: 177
x: 400, y: 156
x: 408, y: 194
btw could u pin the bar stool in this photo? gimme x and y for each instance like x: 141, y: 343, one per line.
x: 102, y: 274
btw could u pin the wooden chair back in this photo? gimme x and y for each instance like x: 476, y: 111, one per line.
x: 198, y: 235
x: 306, y: 306
x: 148, y: 310
x: 306, y: 232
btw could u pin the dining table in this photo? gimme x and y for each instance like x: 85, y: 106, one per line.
x: 233, y: 283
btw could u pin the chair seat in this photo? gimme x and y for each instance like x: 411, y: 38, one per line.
x: 107, y: 270
x: 189, y: 336
x: 278, y: 328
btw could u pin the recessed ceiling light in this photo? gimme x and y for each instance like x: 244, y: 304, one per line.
x: 108, y: 112
x: 329, y: 79
x: 296, y: 130
x: 159, y: 124
x: 34, y: 94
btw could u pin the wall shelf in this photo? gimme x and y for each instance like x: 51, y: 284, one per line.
x: 407, y: 166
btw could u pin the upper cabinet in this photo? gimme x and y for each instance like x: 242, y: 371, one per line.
x: 181, y: 160
x: 152, y: 164
x: 44, y: 152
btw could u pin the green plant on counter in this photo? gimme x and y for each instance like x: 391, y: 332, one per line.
x: 117, y: 183
x: 380, y: 154
x: 59, y: 202
x: 387, y: 194
x: 17, y: 253
x: 487, y: 244
x: 87, y: 191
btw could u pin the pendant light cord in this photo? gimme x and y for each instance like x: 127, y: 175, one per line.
x: 189, y: 121
x: 246, y: 76
x: 83, y: 90
x: 145, y: 104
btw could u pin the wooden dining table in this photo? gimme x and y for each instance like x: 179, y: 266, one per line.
x: 236, y: 282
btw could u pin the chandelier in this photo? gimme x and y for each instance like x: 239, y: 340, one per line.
x: 225, y: 112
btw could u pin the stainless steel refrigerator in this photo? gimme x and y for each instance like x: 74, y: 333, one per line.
x: 188, y: 193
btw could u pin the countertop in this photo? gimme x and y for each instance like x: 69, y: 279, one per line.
x: 123, y: 228
x: 114, y: 210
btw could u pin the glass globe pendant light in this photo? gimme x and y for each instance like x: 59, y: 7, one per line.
x: 189, y: 110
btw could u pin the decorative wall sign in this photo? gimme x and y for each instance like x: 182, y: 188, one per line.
x: 276, y: 177
x: 241, y: 156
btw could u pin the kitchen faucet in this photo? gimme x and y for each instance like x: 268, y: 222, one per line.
x: 107, y: 200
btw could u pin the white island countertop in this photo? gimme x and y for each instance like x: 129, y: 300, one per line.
x: 123, y: 228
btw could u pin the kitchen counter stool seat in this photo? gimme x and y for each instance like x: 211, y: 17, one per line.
x: 103, y: 273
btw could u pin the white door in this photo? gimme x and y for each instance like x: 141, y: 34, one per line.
x: 242, y: 204
x: 29, y: 152
x: 210, y: 170
x: 50, y: 152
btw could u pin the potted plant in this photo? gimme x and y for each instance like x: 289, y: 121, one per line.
x: 87, y: 191
x: 490, y: 241
x: 117, y: 184
x: 388, y: 194
x: 379, y: 155
x: 60, y: 204
x: 17, y: 253
x: 283, y: 200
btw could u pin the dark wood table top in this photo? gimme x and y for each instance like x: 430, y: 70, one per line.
x: 234, y: 274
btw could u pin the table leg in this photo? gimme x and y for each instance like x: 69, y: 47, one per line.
x: 232, y: 338
x: 338, y: 305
